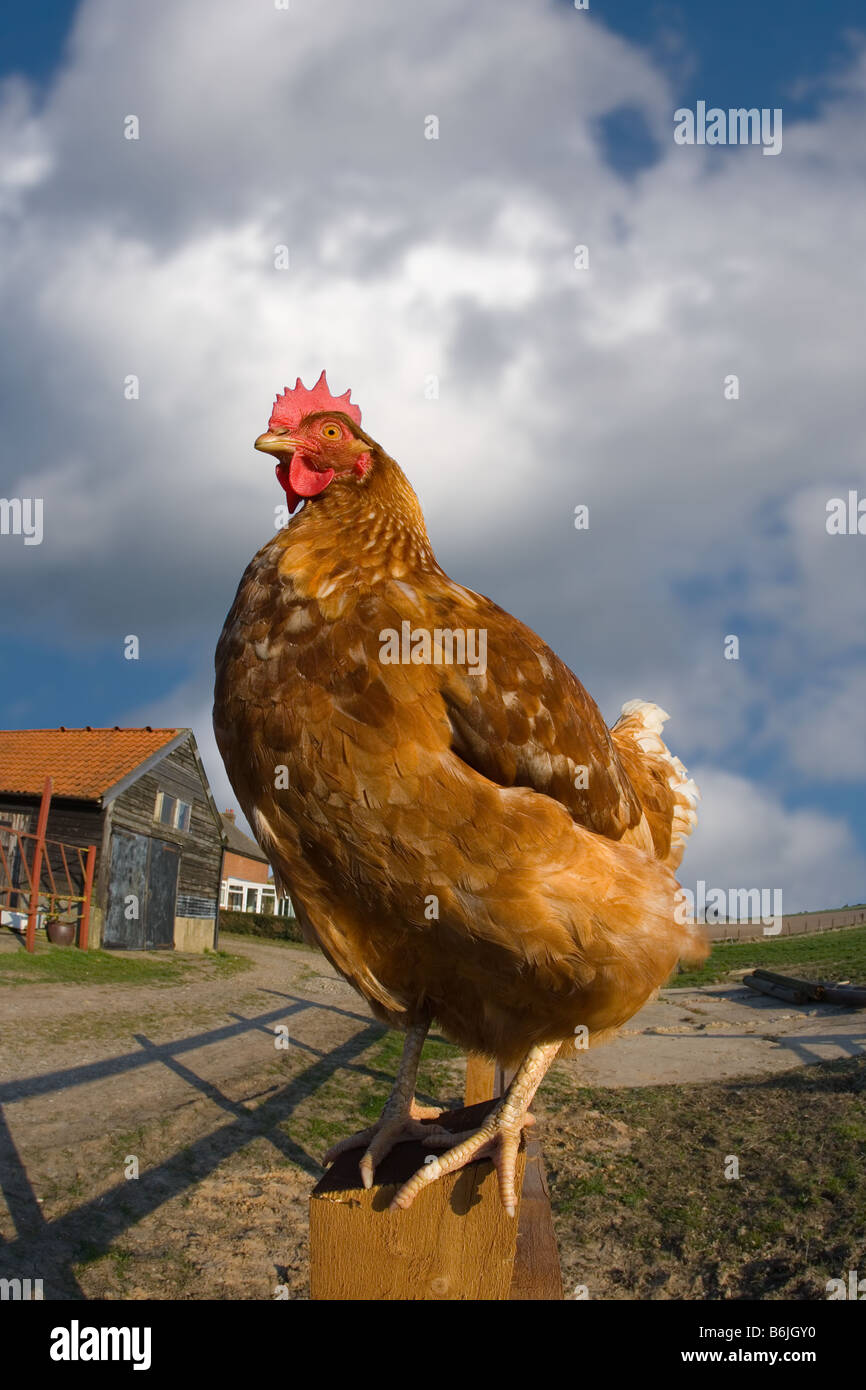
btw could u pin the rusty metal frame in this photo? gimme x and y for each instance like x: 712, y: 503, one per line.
x: 40, y: 867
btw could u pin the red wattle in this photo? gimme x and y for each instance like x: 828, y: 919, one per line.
x: 292, y: 497
x: 298, y: 479
x: 307, y: 481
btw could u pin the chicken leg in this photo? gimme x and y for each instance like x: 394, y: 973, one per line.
x: 498, y: 1138
x: 400, y: 1119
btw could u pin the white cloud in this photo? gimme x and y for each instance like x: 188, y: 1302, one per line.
x: 745, y: 838
x: 826, y: 730
x: 455, y: 258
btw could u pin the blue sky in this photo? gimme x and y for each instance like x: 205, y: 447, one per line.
x: 739, y: 53
x: 157, y: 258
x: 32, y: 37
x: 777, y: 53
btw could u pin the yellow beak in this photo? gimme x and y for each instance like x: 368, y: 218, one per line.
x: 272, y: 443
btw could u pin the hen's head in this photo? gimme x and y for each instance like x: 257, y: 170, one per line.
x: 318, y: 441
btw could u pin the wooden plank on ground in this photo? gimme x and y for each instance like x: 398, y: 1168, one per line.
x: 762, y: 986
x: 820, y: 990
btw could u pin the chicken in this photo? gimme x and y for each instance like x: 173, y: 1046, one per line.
x: 461, y: 834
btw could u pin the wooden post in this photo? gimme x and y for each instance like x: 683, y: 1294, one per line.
x: 485, y: 1079
x: 480, y: 1079
x: 36, y: 871
x: 537, y: 1273
x: 455, y: 1242
x: 84, y: 933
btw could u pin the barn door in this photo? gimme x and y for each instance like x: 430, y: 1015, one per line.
x: 161, y: 895
x: 127, y: 892
x: 142, y: 890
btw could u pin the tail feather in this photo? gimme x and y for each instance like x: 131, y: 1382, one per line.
x: 668, y: 794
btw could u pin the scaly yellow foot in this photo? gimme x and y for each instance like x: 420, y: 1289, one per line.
x: 395, y: 1125
x: 498, y: 1138
x: 401, y: 1118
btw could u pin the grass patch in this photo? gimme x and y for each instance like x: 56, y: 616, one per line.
x: 832, y: 955
x: 66, y: 965
x: 225, y: 963
x: 648, y: 1202
x: 350, y: 1101
x: 283, y: 944
x: 580, y: 1189
x: 324, y: 1133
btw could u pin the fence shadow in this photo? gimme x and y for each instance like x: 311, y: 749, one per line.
x: 49, y: 1249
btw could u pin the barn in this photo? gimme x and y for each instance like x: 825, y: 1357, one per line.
x: 141, y: 796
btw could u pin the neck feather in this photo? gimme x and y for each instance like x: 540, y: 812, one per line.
x: 366, y: 531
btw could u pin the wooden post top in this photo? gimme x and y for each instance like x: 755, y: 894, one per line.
x: 455, y: 1242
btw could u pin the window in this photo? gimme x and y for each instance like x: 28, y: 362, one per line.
x: 269, y: 901
x: 236, y: 899
x: 252, y: 900
x: 172, y: 812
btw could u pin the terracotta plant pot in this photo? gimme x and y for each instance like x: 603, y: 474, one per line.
x: 61, y: 933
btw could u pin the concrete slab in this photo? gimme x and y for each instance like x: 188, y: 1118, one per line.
x: 731, y: 1033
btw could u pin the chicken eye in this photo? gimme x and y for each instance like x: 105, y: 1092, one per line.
x: 331, y: 431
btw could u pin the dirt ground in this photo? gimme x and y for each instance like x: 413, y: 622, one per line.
x: 223, y: 1090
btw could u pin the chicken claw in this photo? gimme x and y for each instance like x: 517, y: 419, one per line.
x: 401, y: 1118
x: 498, y: 1138
x: 394, y: 1126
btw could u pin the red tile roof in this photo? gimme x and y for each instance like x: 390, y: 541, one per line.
x: 82, y: 762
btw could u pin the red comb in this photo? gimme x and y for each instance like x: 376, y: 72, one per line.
x: 291, y: 407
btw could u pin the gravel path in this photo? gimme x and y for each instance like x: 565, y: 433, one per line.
x: 186, y: 1080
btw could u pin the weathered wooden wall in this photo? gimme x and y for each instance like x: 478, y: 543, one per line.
x: 77, y: 823
x: 87, y: 823
x: 201, y: 845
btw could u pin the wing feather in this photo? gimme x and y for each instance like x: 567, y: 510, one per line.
x: 527, y: 721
